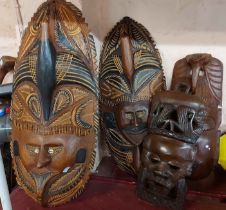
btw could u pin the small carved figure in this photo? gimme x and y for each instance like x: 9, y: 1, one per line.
x: 54, y: 105
x: 130, y: 74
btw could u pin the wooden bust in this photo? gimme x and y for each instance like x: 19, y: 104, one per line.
x: 130, y: 74
x: 183, y: 135
x: 54, y: 105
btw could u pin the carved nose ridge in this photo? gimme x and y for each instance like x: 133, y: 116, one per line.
x: 44, y: 159
x: 163, y: 166
x: 195, y: 76
x: 135, y: 122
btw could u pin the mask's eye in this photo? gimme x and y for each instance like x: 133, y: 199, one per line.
x: 129, y: 115
x: 154, y: 159
x: 140, y: 114
x: 174, y: 165
x: 80, y: 156
x: 54, y: 150
x: 33, y: 150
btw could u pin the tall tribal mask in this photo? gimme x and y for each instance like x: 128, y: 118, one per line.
x: 130, y: 74
x: 54, y: 105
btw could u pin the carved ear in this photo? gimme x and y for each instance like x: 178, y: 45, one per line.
x: 46, y: 78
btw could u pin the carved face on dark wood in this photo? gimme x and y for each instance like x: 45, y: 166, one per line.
x: 131, y: 119
x: 167, y: 160
x: 182, y: 140
x: 166, y: 163
x: 184, y: 118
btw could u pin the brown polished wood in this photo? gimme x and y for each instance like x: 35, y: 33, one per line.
x: 183, y: 139
x: 54, y: 105
x: 201, y: 75
x: 130, y: 74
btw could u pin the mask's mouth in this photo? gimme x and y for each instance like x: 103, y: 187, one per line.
x: 163, y: 180
x: 136, y: 130
x: 160, y: 195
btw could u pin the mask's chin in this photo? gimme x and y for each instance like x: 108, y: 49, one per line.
x: 162, y: 183
x: 156, y: 193
x: 41, y: 180
x: 135, y: 135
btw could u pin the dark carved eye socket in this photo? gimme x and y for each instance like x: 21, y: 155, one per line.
x: 190, y: 115
x: 155, y: 159
x: 16, y: 148
x: 173, y: 166
x: 158, y: 110
x: 182, y: 87
x: 80, y: 156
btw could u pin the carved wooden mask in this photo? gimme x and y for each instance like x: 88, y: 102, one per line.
x: 54, y: 105
x: 130, y: 74
x: 170, y: 153
x: 183, y: 135
x: 201, y: 75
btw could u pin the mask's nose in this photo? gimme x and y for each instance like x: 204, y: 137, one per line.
x: 134, y: 121
x: 44, y: 158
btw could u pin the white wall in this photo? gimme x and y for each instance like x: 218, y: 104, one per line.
x: 179, y: 27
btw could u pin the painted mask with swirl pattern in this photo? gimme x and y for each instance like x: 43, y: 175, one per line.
x: 130, y: 74
x: 54, y: 105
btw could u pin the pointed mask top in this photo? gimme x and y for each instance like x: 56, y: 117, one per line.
x: 126, y: 49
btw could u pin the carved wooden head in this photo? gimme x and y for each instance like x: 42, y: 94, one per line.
x: 183, y: 133
x: 130, y: 74
x: 170, y: 153
x: 166, y: 163
x: 54, y: 105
